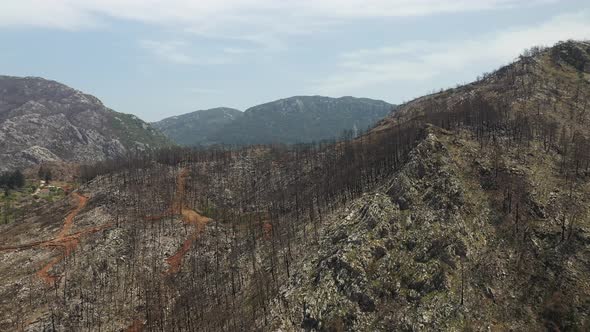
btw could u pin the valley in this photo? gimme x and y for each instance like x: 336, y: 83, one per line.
x: 466, y: 209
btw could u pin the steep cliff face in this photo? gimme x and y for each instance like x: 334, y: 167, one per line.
x: 44, y: 121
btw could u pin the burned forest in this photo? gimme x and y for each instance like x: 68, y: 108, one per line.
x: 466, y: 209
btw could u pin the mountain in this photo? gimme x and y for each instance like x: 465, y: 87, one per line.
x: 465, y: 210
x: 46, y: 121
x: 290, y: 120
x: 303, y: 119
x: 197, y: 127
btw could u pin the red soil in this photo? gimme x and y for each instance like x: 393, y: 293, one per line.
x: 63, y: 240
x: 67, y: 242
x: 137, y: 326
x: 177, y: 204
x: 82, y: 200
x: 188, y: 216
x: 197, y: 220
x: 267, y: 230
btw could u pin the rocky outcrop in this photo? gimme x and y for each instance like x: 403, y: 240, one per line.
x: 388, y: 262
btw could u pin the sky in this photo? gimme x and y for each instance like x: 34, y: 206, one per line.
x: 159, y: 58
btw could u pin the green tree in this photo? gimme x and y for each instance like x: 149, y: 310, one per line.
x: 4, y: 181
x: 17, y: 179
x: 12, y: 180
x: 45, y: 174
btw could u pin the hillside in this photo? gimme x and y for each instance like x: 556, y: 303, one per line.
x: 466, y: 210
x: 197, y: 127
x: 486, y: 226
x: 46, y: 121
x: 291, y: 120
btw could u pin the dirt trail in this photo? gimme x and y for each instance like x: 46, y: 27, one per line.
x: 137, y: 326
x: 197, y: 220
x: 24, y: 246
x: 68, y: 222
x: 177, y: 203
x: 189, y: 216
x: 55, y: 242
x: 67, y: 242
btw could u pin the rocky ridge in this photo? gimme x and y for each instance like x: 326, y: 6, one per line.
x: 46, y: 121
x: 300, y: 119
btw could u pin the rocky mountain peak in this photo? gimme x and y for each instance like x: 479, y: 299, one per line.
x: 43, y: 120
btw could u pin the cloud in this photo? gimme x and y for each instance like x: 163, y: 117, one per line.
x: 286, y: 16
x: 170, y: 51
x: 424, y: 60
x: 180, y: 52
x: 47, y: 14
x: 408, y: 8
x: 260, y: 25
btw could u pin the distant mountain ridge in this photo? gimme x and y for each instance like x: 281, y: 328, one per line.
x: 195, y: 128
x: 290, y: 120
x: 46, y: 121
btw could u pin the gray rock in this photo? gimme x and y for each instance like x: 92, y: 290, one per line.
x: 45, y: 121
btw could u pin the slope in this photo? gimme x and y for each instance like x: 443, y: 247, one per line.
x: 42, y: 120
x: 485, y: 227
x: 467, y: 210
x: 300, y: 119
x: 303, y: 119
x: 195, y: 128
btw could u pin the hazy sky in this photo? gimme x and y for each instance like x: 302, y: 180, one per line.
x: 158, y: 58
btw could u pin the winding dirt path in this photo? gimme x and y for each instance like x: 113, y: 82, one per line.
x: 54, y: 242
x: 64, y: 240
x: 69, y: 222
x: 67, y: 242
x: 189, y: 216
x: 62, y: 235
x: 199, y: 222
x: 177, y: 203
